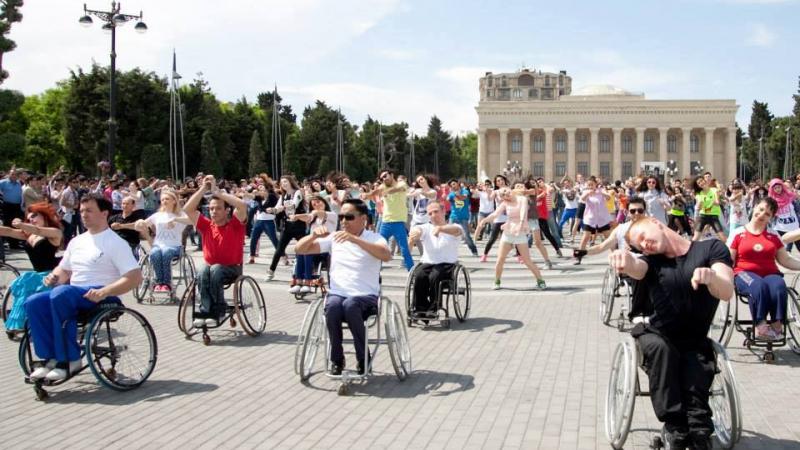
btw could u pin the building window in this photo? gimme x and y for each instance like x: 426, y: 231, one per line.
x: 605, y: 169
x: 561, y: 168
x: 489, y: 81
x: 649, y: 144
x: 517, y: 93
x: 605, y: 144
x: 694, y: 144
x: 583, y: 143
x: 547, y: 80
x: 583, y: 168
x: 533, y: 93
x: 627, y: 169
x: 503, y: 82
x: 504, y: 94
x: 538, y: 144
x: 627, y: 144
x: 672, y: 144
x: 516, y: 144
x: 547, y: 94
x: 538, y: 169
x: 561, y: 145
x: 489, y: 93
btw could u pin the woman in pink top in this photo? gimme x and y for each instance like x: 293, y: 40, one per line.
x: 515, y: 233
x: 596, y: 218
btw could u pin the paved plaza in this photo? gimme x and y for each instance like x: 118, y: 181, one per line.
x: 527, y: 370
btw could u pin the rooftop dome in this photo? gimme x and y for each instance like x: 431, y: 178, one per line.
x: 600, y: 89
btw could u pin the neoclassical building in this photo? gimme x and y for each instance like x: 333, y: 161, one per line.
x: 535, y: 120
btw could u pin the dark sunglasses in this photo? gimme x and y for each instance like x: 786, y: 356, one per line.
x: 32, y: 216
x: 636, y: 211
x: 347, y: 217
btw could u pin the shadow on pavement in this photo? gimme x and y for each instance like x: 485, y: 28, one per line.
x: 238, y: 338
x: 150, y: 391
x: 751, y: 439
x: 478, y: 324
x: 421, y: 382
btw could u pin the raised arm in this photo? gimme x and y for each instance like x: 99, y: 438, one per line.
x: 239, y: 206
x: 190, y: 208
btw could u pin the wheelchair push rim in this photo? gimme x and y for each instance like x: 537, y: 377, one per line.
x: 724, y: 402
x: 607, y: 295
x: 621, y: 393
x: 313, y: 337
x: 141, y: 290
x: 397, y: 340
x: 186, y: 310
x: 793, y: 321
x: 462, y: 292
x: 7, y: 275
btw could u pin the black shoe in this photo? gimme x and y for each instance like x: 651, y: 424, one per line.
x: 361, y: 368
x: 337, y: 368
x: 676, y: 439
x: 701, y: 442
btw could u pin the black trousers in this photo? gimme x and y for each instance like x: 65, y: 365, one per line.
x: 544, y: 227
x: 492, y: 237
x: 680, y: 381
x: 292, y: 230
x: 10, y: 212
x: 426, y: 284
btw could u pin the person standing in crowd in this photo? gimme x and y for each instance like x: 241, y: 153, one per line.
x: 708, y: 209
x: 422, y: 195
x: 596, y: 218
x: 291, y: 203
x: 68, y: 203
x: 11, y: 190
x: 570, y: 213
x: 785, y: 217
x: 657, y: 200
x: 544, y: 211
x: 500, y: 182
x: 393, y: 224
x: 486, y: 206
x: 737, y: 206
x: 266, y: 200
x: 459, y: 211
x: 319, y: 216
x: 676, y: 215
x: 32, y: 192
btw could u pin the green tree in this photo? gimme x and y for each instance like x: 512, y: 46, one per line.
x: 155, y: 161
x: 9, y: 13
x: 12, y: 126
x: 44, y: 147
x: 317, y: 138
x: 257, y: 163
x: 209, y: 161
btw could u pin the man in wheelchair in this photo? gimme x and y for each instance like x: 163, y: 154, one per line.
x: 440, y: 255
x: 97, y: 266
x: 223, y: 239
x: 356, y: 257
x: 684, y: 280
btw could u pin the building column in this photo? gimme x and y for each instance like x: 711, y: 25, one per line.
x: 594, y: 152
x: 504, y: 158
x: 662, y: 144
x: 639, y: 150
x: 616, y: 155
x: 571, y: 152
x: 526, y: 151
x: 548, y: 154
x: 730, y: 154
x: 685, y: 152
x: 483, y: 154
x: 708, y: 154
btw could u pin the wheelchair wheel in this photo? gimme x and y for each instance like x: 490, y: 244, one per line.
x: 722, y: 325
x: 621, y: 392
x: 25, y: 355
x: 298, y: 348
x: 397, y: 340
x: 121, y: 348
x: 186, y: 310
x: 724, y: 401
x: 462, y: 293
x: 315, y: 334
x: 793, y: 321
x: 409, y: 294
x: 7, y: 275
x: 250, y: 307
x: 141, y: 290
x: 607, y: 295
x: 187, y: 270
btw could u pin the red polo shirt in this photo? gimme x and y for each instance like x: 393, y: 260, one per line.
x: 222, y: 244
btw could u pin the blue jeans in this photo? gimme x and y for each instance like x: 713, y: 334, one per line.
x: 212, y: 280
x: 262, y: 226
x: 565, y: 216
x: 398, y: 231
x: 52, y: 320
x: 353, y: 310
x: 464, y: 224
x: 305, y: 264
x: 767, y: 295
x: 161, y: 260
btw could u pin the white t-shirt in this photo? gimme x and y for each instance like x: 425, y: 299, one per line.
x: 97, y: 259
x: 353, y: 270
x: 619, y: 233
x: 487, y: 204
x: 786, y: 219
x: 569, y: 203
x: 330, y: 222
x: 437, y: 250
x: 168, y: 232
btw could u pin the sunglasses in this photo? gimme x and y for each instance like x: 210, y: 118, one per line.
x: 347, y: 217
x: 32, y: 216
x: 636, y: 211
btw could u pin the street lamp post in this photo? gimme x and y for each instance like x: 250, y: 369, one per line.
x: 112, y: 19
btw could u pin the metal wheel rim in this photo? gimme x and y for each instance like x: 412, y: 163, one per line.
x: 117, y: 340
x: 314, y: 335
x: 251, y: 309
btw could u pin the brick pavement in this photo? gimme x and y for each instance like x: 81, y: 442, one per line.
x: 527, y: 370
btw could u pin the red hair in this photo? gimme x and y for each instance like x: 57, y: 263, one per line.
x: 47, y: 211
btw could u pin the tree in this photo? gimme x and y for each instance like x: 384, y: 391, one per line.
x: 317, y: 138
x: 12, y: 126
x: 796, y: 97
x: 257, y: 163
x: 155, y: 161
x: 44, y: 138
x: 437, y: 147
x: 9, y: 13
x: 209, y: 161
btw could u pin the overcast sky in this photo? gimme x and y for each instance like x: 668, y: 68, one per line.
x: 405, y: 60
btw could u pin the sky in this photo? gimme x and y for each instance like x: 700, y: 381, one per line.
x: 406, y: 60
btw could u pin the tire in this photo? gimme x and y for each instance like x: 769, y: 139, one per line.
x: 250, y: 307
x: 141, y: 290
x: 397, y: 341
x: 121, y: 348
x: 607, y: 296
x: 187, y: 271
x: 298, y: 348
x: 7, y: 305
x: 722, y: 325
x: 186, y: 310
x: 621, y: 392
x: 462, y: 293
x: 25, y: 355
x: 724, y: 402
x: 7, y: 274
x: 315, y: 334
x: 793, y: 321
x: 409, y: 292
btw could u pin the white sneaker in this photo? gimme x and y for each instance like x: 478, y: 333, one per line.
x: 198, y: 323
x: 60, y: 374
x: 270, y: 275
x: 295, y: 289
x: 305, y: 289
x: 42, y: 371
x: 211, y: 322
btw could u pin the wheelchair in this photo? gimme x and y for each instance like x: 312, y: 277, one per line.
x: 726, y: 321
x: 7, y: 274
x: 624, y: 386
x: 247, y: 305
x: 118, y: 346
x: 314, y: 333
x: 183, y: 271
x: 455, y: 292
x: 615, y: 286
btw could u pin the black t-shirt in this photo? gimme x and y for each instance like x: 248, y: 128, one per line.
x: 682, y: 314
x: 130, y: 236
